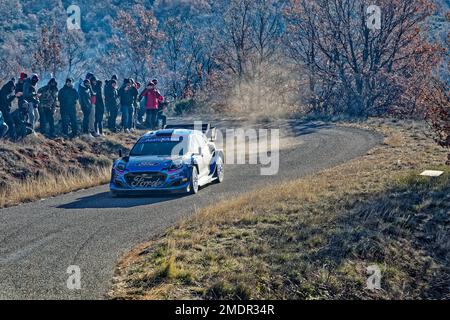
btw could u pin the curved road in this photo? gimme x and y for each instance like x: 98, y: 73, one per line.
x: 40, y: 240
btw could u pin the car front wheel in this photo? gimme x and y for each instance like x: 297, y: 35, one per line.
x: 193, y: 183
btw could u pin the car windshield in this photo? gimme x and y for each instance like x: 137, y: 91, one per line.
x: 157, y: 148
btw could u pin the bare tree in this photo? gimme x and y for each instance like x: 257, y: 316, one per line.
x: 112, y: 59
x: 265, y: 34
x: 358, y: 70
x: 233, y: 37
x: 175, y: 31
x: 266, y: 29
x: 248, y: 36
x: 74, y: 47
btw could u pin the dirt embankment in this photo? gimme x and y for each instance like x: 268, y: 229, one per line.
x: 39, y: 167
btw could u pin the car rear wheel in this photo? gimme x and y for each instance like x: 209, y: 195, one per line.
x: 193, y: 183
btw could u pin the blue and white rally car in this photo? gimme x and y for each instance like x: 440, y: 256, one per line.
x: 176, y: 159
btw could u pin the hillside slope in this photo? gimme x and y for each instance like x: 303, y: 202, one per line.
x: 38, y: 167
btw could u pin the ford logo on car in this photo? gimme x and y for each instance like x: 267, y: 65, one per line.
x: 142, y: 182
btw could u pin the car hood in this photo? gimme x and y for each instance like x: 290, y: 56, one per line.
x: 152, y: 163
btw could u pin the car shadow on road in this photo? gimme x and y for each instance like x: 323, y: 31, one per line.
x: 105, y: 201
x: 302, y: 128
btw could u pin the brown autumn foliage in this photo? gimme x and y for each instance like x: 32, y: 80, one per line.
x: 48, y: 55
x: 140, y: 38
x: 436, y: 102
x: 437, y: 99
x: 358, y: 70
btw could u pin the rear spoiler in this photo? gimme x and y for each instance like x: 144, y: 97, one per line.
x: 208, y: 130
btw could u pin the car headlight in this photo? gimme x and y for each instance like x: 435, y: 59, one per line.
x: 120, y: 166
x: 176, y: 166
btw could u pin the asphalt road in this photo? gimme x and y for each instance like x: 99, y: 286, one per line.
x: 89, y: 229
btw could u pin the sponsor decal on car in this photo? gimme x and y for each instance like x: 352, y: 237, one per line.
x: 161, y: 139
x: 142, y: 182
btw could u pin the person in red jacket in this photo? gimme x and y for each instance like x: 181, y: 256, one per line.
x: 152, y: 99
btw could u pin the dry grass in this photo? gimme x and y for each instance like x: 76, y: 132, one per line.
x: 313, y: 238
x: 51, y: 185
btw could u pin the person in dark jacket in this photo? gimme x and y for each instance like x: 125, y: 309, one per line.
x: 127, y: 99
x: 89, y: 76
x: 47, y: 106
x: 85, y: 95
x: 7, y: 96
x: 107, y: 88
x: 31, y: 96
x: 68, y: 98
x: 135, y: 106
x: 97, y: 86
x: 112, y: 103
x: 21, y: 122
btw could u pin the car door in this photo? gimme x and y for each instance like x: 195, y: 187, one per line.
x: 195, y: 147
x: 206, y: 154
x: 204, y: 157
